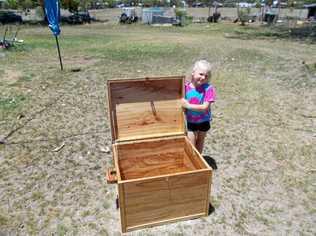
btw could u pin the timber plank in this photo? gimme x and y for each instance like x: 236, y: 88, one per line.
x: 161, y: 222
x: 146, y: 107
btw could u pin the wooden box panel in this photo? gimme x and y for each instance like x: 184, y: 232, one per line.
x: 145, y: 108
x: 161, y: 180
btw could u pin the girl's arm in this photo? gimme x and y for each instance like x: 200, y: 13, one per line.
x: 195, y: 107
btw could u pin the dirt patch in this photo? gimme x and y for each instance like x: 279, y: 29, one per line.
x: 79, y: 61
x: 11, y: 76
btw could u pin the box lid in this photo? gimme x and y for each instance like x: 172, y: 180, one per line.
x: 146, y: 107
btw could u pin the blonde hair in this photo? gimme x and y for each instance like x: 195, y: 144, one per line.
x: 200, y: 64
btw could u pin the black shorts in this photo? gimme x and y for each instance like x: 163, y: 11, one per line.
x: 204, y: 126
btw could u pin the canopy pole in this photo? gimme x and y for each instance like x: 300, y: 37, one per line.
x: 61, y: 63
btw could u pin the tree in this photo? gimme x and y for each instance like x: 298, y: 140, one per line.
x: 243, y: 14
x: 71, y: 5
x: 111, y: 3
x: 27, y: 4
x: 12, y: 4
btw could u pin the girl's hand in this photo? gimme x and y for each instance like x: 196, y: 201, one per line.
x: 184, y: 103
x: 195, y: 107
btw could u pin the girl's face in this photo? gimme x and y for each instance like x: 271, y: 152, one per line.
x: 199, y: 77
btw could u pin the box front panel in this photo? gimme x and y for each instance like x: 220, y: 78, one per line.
x: 146, y: 201
x: 166, y: 198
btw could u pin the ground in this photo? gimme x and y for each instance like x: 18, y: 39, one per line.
x: 55, y: 129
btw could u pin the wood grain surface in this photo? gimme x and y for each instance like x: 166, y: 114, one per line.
x: 146, y: 107
x: 162, y: 180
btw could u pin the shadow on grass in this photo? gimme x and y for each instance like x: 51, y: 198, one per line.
x: 211, y: 209
x: 210, y: 161
x: 306, y: 33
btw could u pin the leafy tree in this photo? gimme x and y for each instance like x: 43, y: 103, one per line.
x: 39, y: 12
x: 243, y: 14
x: 26, y: 4
x: 309, y: 1
x: 71, y: 5
x: 175, y: 3
x: 153, y: 3
x: 111, y: 3
x: 12, y: 4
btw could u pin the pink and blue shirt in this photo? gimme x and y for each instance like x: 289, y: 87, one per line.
x: 204, y: 93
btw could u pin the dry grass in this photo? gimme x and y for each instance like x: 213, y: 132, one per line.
x: 262, y: 136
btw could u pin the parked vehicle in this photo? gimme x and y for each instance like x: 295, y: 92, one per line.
x: 120, y: 5
x: 245, y: 5
x: 78, y: 18
x: 7, y: 17
x: 128, y: 15
x: 199, y: 4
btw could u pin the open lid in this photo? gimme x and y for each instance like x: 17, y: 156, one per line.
x: 146, y: 108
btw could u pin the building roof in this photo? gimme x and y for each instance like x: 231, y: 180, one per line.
x: 310, y: 5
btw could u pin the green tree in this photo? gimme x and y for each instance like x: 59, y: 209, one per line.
x: 12, y: 4
x: 71, y: 5
x: 27, y: 4
x: 111, y: 3
x: 243, y: 14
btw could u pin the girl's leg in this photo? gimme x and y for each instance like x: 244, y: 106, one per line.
x: 200, y: 141
x: 192, y: 137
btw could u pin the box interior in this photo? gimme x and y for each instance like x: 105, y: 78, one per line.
x: 157, y: 157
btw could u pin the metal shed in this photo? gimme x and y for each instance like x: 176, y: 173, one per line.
x: 147, y: 16
x: 311, y: 8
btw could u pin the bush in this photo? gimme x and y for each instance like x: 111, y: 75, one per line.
x: 12, y: 4
x: 180, y: 12
x: 39, y: 12
x: 27, y: 4
x: 243, y: 15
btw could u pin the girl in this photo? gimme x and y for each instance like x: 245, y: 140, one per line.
x: 199, y: 95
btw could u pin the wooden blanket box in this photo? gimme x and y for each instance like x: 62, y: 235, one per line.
x: 161, y: 177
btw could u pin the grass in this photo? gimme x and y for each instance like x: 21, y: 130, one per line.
x: 305, y: 33
x: 11, y: 103
x: 3, y: 220
x: 261, y: 138
x: 61, y: 230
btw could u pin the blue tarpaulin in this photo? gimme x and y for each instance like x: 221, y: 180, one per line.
x: 52, y: 10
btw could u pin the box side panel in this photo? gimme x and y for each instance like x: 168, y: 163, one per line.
x: 194, y: 156
x: 188, y: 162
x: 111, y: 114
x: 165, y: 199
x: 122, y: 207
x: 190, y: 193
x: 209, y: 185
x: 116, y: 161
